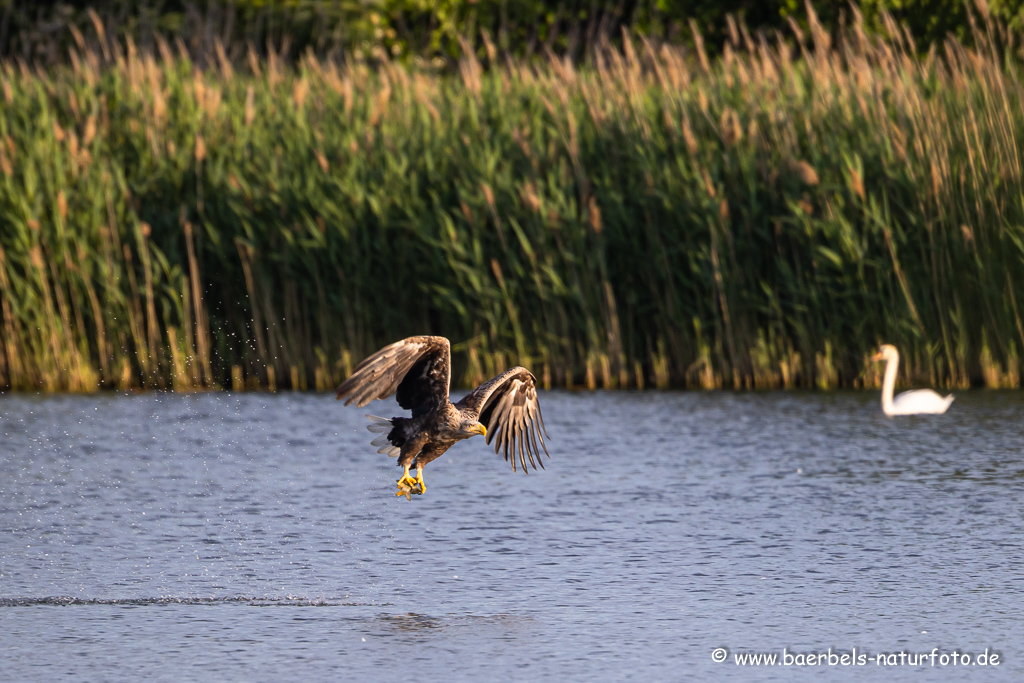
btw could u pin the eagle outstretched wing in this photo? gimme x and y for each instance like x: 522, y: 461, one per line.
x: 507, y: 405
x: 417, y: 368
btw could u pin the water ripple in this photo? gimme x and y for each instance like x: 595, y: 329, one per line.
x: 665, y: 525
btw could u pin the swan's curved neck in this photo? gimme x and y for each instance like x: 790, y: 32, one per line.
x: 889, y: 383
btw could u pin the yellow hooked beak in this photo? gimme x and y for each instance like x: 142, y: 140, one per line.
x: 480, y: 429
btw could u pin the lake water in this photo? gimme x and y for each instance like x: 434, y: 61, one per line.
x: 256, y: 537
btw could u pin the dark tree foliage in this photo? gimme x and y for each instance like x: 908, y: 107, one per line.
x: 407, y: 28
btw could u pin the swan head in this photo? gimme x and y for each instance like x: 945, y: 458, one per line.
x: 886, y: 352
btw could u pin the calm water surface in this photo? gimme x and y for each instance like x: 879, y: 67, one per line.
x: 257, y: 538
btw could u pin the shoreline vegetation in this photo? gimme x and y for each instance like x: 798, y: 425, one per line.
x: 652, y: 217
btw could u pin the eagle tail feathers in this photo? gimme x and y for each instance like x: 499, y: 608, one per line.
x: 386, y: 428
x: 379, y: 424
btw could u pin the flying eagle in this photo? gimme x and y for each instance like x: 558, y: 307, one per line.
x: 504, y: 409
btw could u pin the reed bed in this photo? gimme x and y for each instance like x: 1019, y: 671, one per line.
x: 652, y: 218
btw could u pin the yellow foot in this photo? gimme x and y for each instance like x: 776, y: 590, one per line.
x: 422, y: 486
x: 408, y: 485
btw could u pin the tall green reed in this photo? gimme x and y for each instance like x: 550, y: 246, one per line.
x: 653, y: 218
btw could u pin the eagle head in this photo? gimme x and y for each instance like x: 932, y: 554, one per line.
x: 470, y: 428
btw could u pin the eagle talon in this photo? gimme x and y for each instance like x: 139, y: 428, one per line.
x: 407, y: 485
x: 406, y: 481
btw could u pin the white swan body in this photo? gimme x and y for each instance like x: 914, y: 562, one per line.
x: 917, y: 402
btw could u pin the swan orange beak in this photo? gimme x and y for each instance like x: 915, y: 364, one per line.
x: 877, y: 356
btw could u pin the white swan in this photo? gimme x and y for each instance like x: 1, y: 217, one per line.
x: 917, y: 402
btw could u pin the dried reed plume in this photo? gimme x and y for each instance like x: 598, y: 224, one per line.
x: 655, y: 217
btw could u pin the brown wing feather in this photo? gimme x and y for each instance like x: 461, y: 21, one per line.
x: 417, y: 368
x: 507, y: 405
